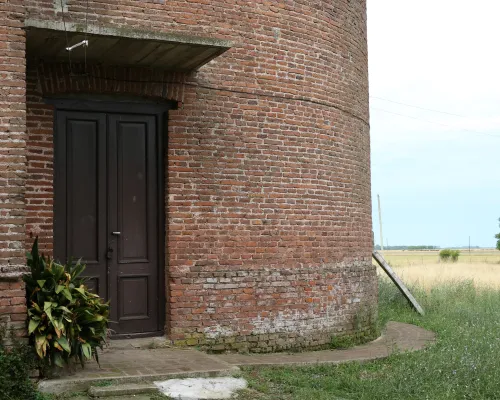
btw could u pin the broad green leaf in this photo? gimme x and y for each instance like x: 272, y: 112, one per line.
x: 41, y: 282
x: 80, y: 357
x: 77, y: 270
x: 67, y: 294
x: 33, y: 325
x: 65, y: 309
x: 58, y: 271
x: 58, y: 360
x: 49, y: 314
x: 58, y: 331
x: 41, y: 345
x: 86, y: 351
x: 64, y: 344
x: 59, y: 288
x: 97, y: 357
x: 61, y: 325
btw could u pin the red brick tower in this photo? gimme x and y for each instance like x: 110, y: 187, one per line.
x: 265, y: 230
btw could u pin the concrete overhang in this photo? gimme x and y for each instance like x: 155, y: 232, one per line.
x: 46, y: 40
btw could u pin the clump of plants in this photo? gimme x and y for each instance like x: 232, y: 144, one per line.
x: 15, y: 364
x: 446, y: 255
x: 364, y: 317
x: 65, y: 321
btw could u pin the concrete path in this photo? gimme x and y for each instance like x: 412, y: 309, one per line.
x: 397, y: 337
x: 124, y: 363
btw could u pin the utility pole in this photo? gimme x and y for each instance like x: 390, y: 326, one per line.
x: 469, y: 244
x: 380, y: 223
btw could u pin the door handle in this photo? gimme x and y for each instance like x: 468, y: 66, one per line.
x: 116, y: 233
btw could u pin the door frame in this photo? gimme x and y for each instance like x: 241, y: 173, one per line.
x: 131, y: 106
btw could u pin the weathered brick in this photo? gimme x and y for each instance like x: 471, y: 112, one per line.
x: 267, y: 164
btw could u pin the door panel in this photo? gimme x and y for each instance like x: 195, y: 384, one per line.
x: 133, y: 177
x: 83, y: 190
x: 107, y: 210
x: 132, y: 191
x: 80, y: 194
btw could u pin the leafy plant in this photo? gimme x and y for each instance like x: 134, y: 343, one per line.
x: 15, y: 364
x: 444, y: 255
x: 454, y: 255
x: 448, y: 254
x: 65, y: 320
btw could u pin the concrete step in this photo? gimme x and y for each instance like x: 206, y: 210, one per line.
x: 75, y: 384
x: 159, y: 342
x: 132, y: 389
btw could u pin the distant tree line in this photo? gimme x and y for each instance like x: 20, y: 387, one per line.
x: 422, y: 247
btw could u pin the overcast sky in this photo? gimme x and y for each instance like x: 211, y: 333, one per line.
x: 439, y: 182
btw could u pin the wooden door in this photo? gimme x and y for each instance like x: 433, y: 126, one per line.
x: 107, y: 211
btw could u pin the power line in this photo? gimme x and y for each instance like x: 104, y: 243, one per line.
x: 434, y: 122
x: 418, y: 107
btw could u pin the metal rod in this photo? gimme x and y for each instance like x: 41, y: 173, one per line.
x: 380, y: 223
x: 82, y: 43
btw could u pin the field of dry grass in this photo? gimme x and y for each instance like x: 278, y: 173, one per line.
x: 425, y: 269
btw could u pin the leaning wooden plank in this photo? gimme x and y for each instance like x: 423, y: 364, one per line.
x: 398, y: 282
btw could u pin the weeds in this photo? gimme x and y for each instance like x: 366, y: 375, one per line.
x: 103, y: 383
x: 366, y: 316
x: 463, y: 364
x: 15, y: 364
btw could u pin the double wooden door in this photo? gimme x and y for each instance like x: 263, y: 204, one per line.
x: 107, y: 211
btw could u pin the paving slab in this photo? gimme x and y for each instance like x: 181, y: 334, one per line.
x: 128, y: 363
x: 120, y: 366
x: 397, y: 337
x: 202, y: 388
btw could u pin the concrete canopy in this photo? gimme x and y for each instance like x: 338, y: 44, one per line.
x: 121, y: 46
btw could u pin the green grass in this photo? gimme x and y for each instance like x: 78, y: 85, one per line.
x: 463, y: 364
x: 103, y: 383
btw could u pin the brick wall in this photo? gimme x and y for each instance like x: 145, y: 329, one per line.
x: 268, y: 180
x: 12, y: 162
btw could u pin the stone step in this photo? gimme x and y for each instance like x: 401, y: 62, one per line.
x: 159, y: 342
x: 132, y: 389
